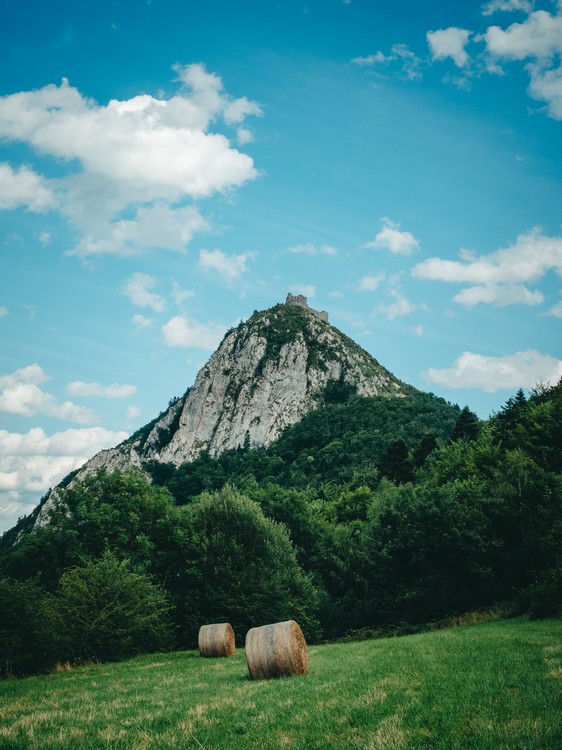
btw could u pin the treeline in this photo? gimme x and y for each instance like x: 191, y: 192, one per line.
x: 366, y: 515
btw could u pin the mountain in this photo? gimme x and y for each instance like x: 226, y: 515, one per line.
x: 267, y: 373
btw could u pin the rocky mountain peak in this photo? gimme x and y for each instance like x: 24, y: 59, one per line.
x: 267, y: 373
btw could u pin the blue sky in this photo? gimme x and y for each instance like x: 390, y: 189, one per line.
x: 168, y: 167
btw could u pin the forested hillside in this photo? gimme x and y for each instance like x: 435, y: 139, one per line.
x: 371, y: 513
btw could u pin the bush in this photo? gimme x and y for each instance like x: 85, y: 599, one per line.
x: 110, y: 612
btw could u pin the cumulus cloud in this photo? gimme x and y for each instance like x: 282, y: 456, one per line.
x: 141, y: 322
x: 20, y: 394
x: 371, y: 283
x: 244, y: 136
x: 158, y: 226
x: 392, y: 238
x: 114, y: 390
x: 24, y: 187
x: 399, y: 308
x: 520, y: 370
x: 137, y: 289
x: 180, y: 294
x: 145, y: 156
x: 500, y: 295
x: 451, y: 43
x: 540, y: 36
x: 309, y: 249
x: 229, y: 267
x: 501, y: 276
x: 32, y: 462
x: 537, y: 40
x: 182, y: 331
x: 546, y: 85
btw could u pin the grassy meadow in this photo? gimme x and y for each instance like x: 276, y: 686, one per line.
x: 493, y: 686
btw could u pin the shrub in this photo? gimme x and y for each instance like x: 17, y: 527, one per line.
x: 110, y: 612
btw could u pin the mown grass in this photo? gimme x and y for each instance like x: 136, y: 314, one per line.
x: 494, y: 686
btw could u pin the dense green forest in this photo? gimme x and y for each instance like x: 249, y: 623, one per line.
x: 371, y: 513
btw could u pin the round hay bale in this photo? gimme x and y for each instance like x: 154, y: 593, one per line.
x: 276, y: 650
x: 216, y: 640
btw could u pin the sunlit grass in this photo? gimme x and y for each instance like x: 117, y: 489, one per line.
x: 494, y: 686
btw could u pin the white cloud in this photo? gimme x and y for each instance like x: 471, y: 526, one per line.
x: 45, y: 238
x: 392, y: 238
x: 539, y: 36
x: 520, y: 370
x: 158, y: 226
x: 539, y: 40
x: 237, y: 110
x: 20, y: 394
x: 180, y: 295
x: 115, y: 390
x: 137, y: 290
x: 451, y: 43
x: 399, y: 308
x: 410, y: 62
x: 145, y: 156
x: 32, y: 462
x: 229, y: 267
x: 419, y: 330
x: 371, y: 283
x: 500, y: 295
x: 3, y: 311
x: 546, y: 85
x: 30, y: 374
x: 499, y: 277
x: 556, y: 310
x: 243, y: 136
x: 494, y: 6
x: 309, y: 249
x: 182, y: 331
x: 369, y: 60
x: 24, y: 187
x: 141, y: 322
x: 401, y: 57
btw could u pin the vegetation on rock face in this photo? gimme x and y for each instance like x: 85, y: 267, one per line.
x: 371, y: 513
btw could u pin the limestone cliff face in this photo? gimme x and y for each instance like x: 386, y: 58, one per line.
x: 266, y: 375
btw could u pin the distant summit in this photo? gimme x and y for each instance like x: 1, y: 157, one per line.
x: 301, y: 301
x: 267, y: 373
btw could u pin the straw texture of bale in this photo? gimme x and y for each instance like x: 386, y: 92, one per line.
x: 216, y: 640
x: 276, y: 650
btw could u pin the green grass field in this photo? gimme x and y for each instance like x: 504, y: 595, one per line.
x: 493, y: 686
